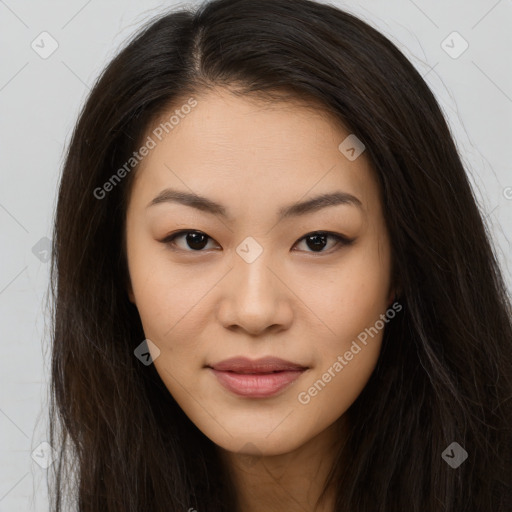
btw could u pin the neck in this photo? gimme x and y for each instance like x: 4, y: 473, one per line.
x: 292, y: 481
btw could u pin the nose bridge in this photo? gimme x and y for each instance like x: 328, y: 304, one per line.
x: 256, y: 298
x: 254, y: 281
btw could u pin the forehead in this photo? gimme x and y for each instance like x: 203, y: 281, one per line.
x: 265, y: 150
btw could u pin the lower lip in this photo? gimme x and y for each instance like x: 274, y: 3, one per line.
x: 256, y: 385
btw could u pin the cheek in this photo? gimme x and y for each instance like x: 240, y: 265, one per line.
x: 337, y: 384
x: 352, y: 295
x: 173, y: 303
x: 160, y: 289
x: 152, y: 295
x: 351, y: 347
x: 348, y: 352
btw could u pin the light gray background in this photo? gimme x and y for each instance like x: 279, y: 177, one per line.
x: 39, y: 103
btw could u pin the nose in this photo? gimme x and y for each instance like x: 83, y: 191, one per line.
x: 255, y: 298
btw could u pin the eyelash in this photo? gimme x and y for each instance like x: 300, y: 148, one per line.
x: 341, y: 240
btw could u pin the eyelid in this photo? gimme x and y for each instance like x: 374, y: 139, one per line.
x: 169, y: 239
x: 342, y: 240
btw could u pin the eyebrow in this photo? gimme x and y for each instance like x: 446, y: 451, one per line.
x: 204, y: 204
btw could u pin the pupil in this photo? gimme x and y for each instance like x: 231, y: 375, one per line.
x: 194, y: 242
x: 318, y: 241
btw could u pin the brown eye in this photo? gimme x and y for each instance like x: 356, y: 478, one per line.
x: 192, y: 240
x: 318, y: 240
x: 196, y: 241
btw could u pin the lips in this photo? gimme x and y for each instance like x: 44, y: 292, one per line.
x: 264, y: 365
x: 259, y: 378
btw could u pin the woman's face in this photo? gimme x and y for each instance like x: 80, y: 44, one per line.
x: 251, y: 283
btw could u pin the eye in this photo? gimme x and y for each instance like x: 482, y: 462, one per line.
x: 197, y: 240
x: 317, y: 240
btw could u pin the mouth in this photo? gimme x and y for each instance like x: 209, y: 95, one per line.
x: 256, y: 378
x: 267, y: 365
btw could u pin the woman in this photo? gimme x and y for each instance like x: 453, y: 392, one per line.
x: 273, y: 289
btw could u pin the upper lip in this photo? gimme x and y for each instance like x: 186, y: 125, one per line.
x: 263, y: 365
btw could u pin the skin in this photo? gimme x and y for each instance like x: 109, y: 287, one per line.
x: 293, y: 302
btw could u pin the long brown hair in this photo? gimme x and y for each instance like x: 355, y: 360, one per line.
x: 444, y: 372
